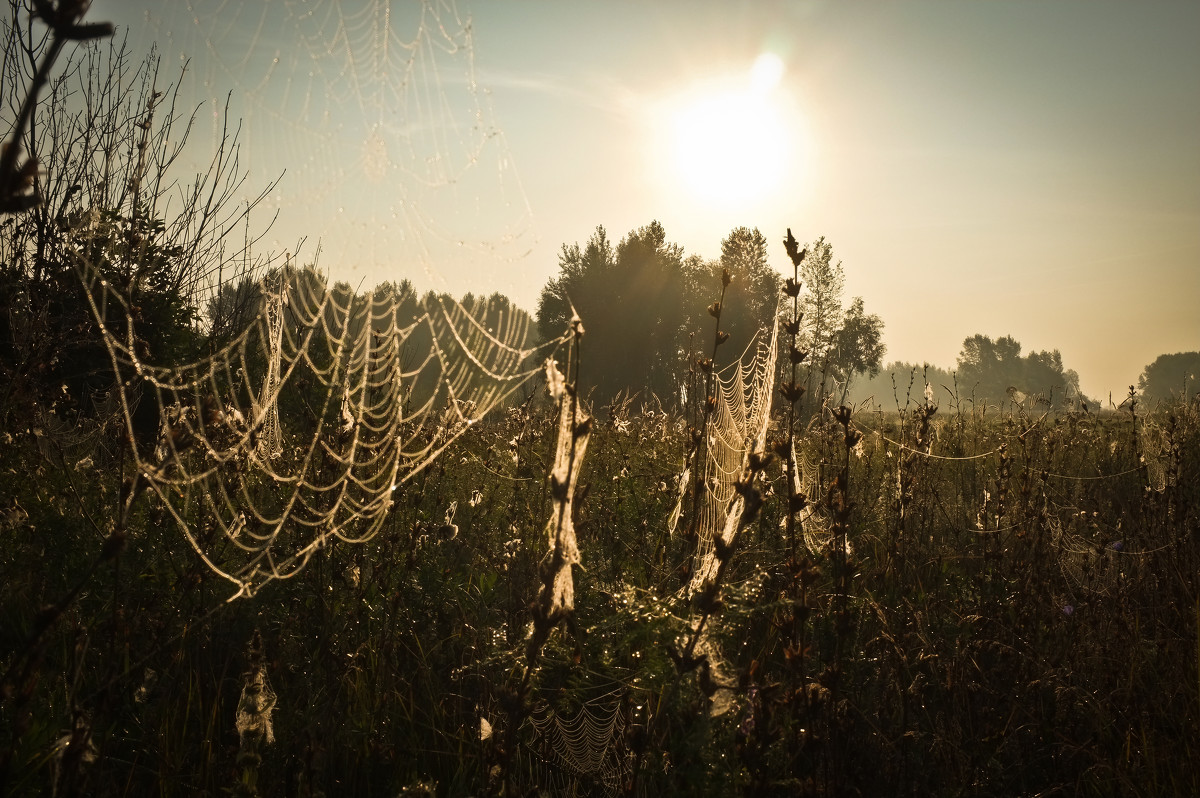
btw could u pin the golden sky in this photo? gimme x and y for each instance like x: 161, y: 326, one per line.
x: 1021, y: 168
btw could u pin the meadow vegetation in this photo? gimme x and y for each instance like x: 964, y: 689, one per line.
x: 950, y: 593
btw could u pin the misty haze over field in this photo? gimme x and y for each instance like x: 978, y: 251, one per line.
x: 1023, y: 169
x: 618, y: 400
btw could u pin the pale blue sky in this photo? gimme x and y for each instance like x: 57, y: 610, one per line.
x: 1023, y: 168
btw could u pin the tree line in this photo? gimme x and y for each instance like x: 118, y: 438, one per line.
x: 647, y: 309
x: 106, y: 133
x: 993, y: 371
x: 645, y: 304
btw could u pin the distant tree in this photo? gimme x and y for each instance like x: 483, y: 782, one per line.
x: 900, y: 384
x: 989, y: 367
x: 752, y: 299
x: 631, y: 299
x: 581, y: 273
x: 992, y: 370
x: 821, y: 304
x: 1170, y: 377
x: 858, y: 346
x: 232, y: 307
x: 842, y: 342
x: 1044, y: 373
x: 499, y: 316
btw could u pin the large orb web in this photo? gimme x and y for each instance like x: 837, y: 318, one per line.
x: 391, y: 154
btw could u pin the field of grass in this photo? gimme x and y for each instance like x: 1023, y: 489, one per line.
x: 1014, y: 611
x: 932, y: 600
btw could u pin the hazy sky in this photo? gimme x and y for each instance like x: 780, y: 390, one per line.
x: 1023, y: 168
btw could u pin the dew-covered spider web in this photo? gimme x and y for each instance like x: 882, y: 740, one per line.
x: 296, y: 433
x: 373, y: 113
x: 582, y: 750
x: 1102, y: 567
x: 738, y: 429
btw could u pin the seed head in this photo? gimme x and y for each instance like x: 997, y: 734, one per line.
x: 793, y: 249
x: 791, y: 391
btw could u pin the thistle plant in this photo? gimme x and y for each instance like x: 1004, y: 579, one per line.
x: 800, y: 571
x: 707, y: 599
x: 555, y: 602
x: 792, y: 392
x: 699, y: 436
x: 556, y: 597
x: 728, y: 457
x: 254, y: 726
x: 910, y: 464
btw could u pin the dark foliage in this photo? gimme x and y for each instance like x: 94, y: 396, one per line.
x: 1171, y: 377
x: 995, y: 371
x: 947, y: 599
x: 645, y: 307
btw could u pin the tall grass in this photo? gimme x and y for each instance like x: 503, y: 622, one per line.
x: 954, y: 600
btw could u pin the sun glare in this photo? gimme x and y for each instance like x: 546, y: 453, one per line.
x: 766, y: 73
x: 732, y: 142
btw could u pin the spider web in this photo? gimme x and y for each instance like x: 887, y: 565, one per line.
x: 739, y: 428
x: 372, y: 111
x: 297, y: 433
x: 586, y: 747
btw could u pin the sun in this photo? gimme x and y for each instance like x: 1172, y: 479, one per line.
x: 732, y: 142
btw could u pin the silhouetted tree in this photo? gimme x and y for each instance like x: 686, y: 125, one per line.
x: 858, y: 346
x: 821, y: 304
x: 842, y: 343
x: 631, y: 300
x: 752, y: 299
x: 991, y: 370
x: 1170, y: 377
x: 645, y: 307
x: 581, y: 273
x: 988, y: 368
